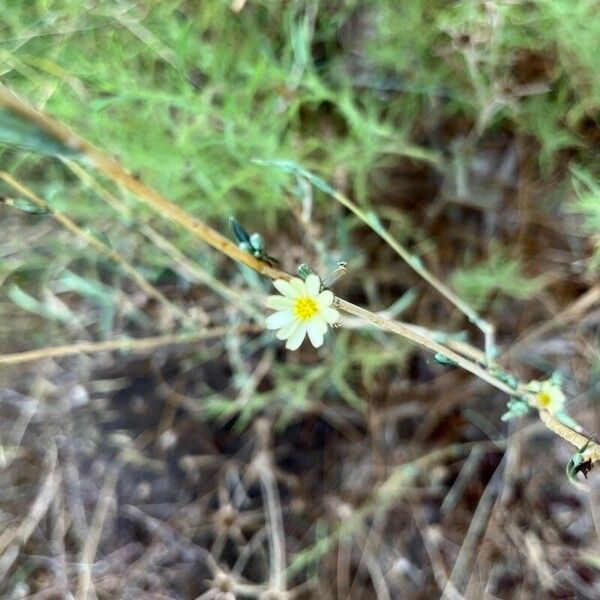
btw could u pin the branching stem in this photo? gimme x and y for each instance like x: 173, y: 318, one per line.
x: 115, y: 172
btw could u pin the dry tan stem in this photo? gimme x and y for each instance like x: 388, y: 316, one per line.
x: 592, y: 452
x: 464, y: 348
x: 11, y: 540
x: 88, y: 553
x: 573, y: 311
x: 99, y: 246
x: 113, y: 170
x: 188, y: 268
x: 135, y: 345
x: 421, y: 340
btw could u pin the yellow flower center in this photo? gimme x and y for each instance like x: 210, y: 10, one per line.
x: 305, y: 308
x: 544, y: 399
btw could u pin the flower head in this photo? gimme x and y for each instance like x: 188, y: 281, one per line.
x: 301, y: 309
x: 548, y: 395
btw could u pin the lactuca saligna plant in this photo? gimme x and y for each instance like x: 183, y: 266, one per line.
x: 23, y: 125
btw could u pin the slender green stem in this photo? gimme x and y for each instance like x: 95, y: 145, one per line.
x: 371, y: 220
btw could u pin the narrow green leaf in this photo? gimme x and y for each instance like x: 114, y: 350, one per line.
x: 25, y: 205
x: 30, y: 304
x: 89, y: 288
x: 15, y: 131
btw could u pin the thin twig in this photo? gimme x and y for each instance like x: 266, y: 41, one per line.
x: 413, y: 261
x: 88, y: 553
x: 181, y: 263
x: 592, y: 451
x: 13, y: 539
x: 125, y: 344
x: 114, y: 171
x: 262, y: 464
x: 99, y: 246
x: 580, y: 441
x: 435, y: 556
x: 463, y: 564
x: 572, y: 311
x: 421, y: 340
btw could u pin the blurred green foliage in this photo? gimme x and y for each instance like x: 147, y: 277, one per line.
x: 499, y: 273
x: 188, y: 95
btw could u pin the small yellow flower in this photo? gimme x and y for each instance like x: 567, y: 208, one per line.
x: 301, y: 309
x: 548, y: 395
